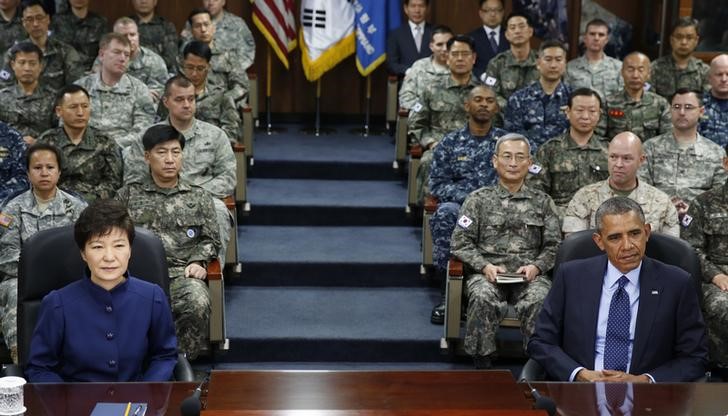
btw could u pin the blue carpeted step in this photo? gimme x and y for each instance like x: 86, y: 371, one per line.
x: 325, y: 202
x: 329, y: 256
x: 332, y: 324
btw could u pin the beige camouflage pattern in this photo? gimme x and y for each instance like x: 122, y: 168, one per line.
x: 31, y: 114
x: 666, y: 78
x: 149, y: 68
x: 511, y: 75
x: 82, y: 34
x: 685, y: 173
x: 604, y: 76
x: 647, y: 118
x: 231, y: 33
x: 659, y: 212
x: 422, y: 73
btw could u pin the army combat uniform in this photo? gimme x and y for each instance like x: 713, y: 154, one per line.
x: 21, y: 218
x: 62, y: 65
x: 536, y: 115
x: 82, y: 34
x: 666, y: 78
x: 510, y: 75
x: 11, y: 31
x: 231, y: 33
x: 93, y: 168
x: 714, y: 123
x: 182, y: 217
x: 509, y: 230
x: 705, y: 227
x: 159, y: 35
x: 647, y: 118
x: 604, y: 76
x: 31, y: 114
x: 422, y: 73
x: 13, y: 172
x: 149, y: 68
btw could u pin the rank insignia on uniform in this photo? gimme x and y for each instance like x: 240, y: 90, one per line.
x: 647, y: 86
x: 5, y: 219
x: 417, y: 107
x: 615, y: 112
x: 4, y: 152
x: 686, y: 220
x: 191, y: 233
x: 464, y: 221
x: 490, y: 81
x: 462, y: 158
x: 535, y: 169
x: 4, y: 75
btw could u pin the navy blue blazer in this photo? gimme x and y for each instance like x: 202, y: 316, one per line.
x: 401, y: 48
x: 670, y: 341
x: 483, y: 49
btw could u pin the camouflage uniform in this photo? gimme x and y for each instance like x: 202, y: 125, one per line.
x: 685, y: 173
x: 83, y: 34
x: 421, y: 74
x: 159, y: 35
x: 62, y: 65
x: 659, y: 211
x: 93, y: 168
x: 181, y: 218
x: 26, y: 219
x: 707, y: 231
x: 666, y: 78
x: 11, y: 32
x: 511, y: 75
x: 604, y: 77
x: 440, y: 110
x: 509, y: 230
x: 227, y: 73
x: 231, y: 33
x: 536, y: 115
x: 31, y: 114
x: 714, y: 124
x: 149, y: 68
x: 647, y: 118
x: 566, y: 167
x: 13, y: 172
x: 461, y: 163
x: 122, y: 112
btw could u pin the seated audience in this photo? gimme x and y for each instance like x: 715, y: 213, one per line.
x: 428, y: 70
x: 80, y: 28
x: 622, y: 316
x: 406, y: 44
x: 714, y: 123
x: 78, y: 337
x: 680, y: 69
x: 13, y: 177
x: 595, y: 69
x: 93, y: 166
x: 11, y: 28
x: 42, y: 207
x: 156, y: 32
x: 490, y: 38
x: 505, y: 228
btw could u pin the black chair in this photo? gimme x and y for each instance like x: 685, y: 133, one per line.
x: 665, y: 248
x: 51, y: 260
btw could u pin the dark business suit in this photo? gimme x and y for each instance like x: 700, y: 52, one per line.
x: 483, y: 49
x: 402, y: 50
x: 669, y: 341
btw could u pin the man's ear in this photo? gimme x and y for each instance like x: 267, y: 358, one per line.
x: 598, y: 240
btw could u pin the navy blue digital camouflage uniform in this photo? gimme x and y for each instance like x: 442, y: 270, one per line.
x: 13, y: 177
x: 714, y: 123
x: 538, y: 116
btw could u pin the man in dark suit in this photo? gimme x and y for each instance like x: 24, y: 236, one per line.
x: 490, y: 39
x: 621, y: 317
x: 409, y: 42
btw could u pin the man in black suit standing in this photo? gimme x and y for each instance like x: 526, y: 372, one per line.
x: 490, y: 39
x: 409, y: 42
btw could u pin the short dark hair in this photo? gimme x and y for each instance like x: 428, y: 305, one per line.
x: 551, y: 43
x: 195, y: 12
x: 160, y: 133
x: 685, y: 21
x: 584, y: 92
x: 683, y: 91
x: 598, y: 22
x: 406, y: 2
x: 197, y: 48
x: 99, y: 218
x: 39, y: 146
x: 616, y: 206
x: 503, y: 3
x: 441, y: 29
x: 178, y: 80
x: 462, y: 39
x: 69, y: 89
x: 30, y: 3
x: 25, y: 46
x: 518, y: 14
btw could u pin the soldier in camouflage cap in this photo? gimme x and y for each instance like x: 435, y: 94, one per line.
x: 636, y: 108
x: 515, y: 68
x: 63, y: 64
x: 440, y: 107
x: 595, y: 69
x: 576, y: 158
x: 12, y: 163
x: 11, y: 28
x: 40, y: 208
x: 144, y: 64
x: 537, y: 110
x: 462, y: 163
x: 82, y: 29
x: 705, y: 227
x: 625, y: 158
x: 121, y: 105
x: 428, y: 70
x: 680, y: 69
x: 714, y: 123
x: 92, y: 163
x: 181, y: 214
x: 682, y: 163
x: 156, y: 32
x: 506, y: 228
x: 28, y: 105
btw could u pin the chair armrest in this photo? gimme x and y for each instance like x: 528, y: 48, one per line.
x: 238, y: 147
x: 214, y: 270
x: 403, y: 112
x: 431, y: 204
x: 532, y: 371
x: 12, y: 370
x: 251, y: 73
x: 455, y: 268
x: 183, y: 369
x: 416, y: 151
x: 229, y: 202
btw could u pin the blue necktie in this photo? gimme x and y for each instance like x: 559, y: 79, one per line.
x: 493, y: 42
x: 617, y: 343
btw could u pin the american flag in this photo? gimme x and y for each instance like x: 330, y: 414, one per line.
x: 276, y: 21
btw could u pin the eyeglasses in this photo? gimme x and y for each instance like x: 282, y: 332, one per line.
x: 507, y: 157
x: 34, y: 19
x: 194, y: 68
x: 686, y: 107
x: 498, y: 10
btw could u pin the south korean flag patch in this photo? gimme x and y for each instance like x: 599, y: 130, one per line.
x: 4, y: 75
x: 417, y: 108
x: 686, y: 220
x: 534, y: 169
x: 464, y: 221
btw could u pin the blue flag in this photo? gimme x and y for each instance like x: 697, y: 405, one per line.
x: 374, y: 20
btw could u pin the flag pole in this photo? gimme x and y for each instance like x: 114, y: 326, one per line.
x: 317, y: 125
x: 369, y: 105
x: 268, y: 73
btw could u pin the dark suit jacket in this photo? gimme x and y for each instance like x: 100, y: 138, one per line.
x: 483, y: 49
x: 670, y: 341
x: 401, y: 48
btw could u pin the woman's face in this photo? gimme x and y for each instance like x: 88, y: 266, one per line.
x: 107, y: 256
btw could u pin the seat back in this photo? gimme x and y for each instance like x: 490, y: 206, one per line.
x: 50, y: 260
